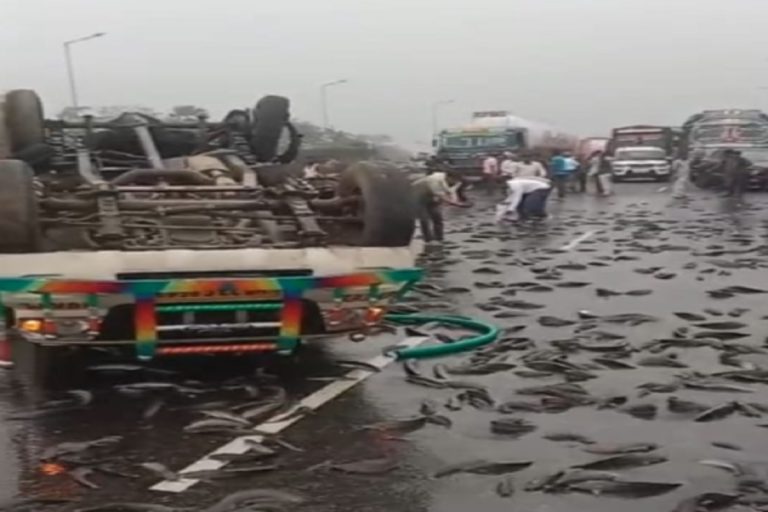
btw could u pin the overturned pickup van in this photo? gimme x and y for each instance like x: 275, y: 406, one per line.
x: 177, y: 238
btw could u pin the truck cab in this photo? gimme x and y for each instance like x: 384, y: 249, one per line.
x: 465, y: 149
x: 641, y: 162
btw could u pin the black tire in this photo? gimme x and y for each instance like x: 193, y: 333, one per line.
x: 19, y: 214
x: 270, y: 117
x: 388, y: 206
x: 24, y: 118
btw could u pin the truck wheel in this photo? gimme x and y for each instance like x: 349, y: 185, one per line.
x: 19, y: 215
x: 24, y: 118
x: 388, y: 208
x: 270, y: 117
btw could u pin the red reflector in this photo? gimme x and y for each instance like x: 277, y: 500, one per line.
x: 373, y: 315
x: 216, y: 349
x: 49, y: 327
x: 94, y: 325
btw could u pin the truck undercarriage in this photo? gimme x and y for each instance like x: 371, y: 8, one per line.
x: 136, y: 183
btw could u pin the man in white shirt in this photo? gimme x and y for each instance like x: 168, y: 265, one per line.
x: 431, y: 191
x: 490, y: 172
x: 527, y: 198
x: 527, y: 168
x: 508, y: 166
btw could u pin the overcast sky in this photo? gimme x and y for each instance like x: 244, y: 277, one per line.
x: 583, y: 65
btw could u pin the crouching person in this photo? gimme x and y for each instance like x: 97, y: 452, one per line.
x: 526, y: 199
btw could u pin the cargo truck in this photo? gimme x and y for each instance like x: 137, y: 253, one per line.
x: 496, y: 132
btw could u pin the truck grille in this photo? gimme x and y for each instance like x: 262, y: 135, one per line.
x: 175, y: 324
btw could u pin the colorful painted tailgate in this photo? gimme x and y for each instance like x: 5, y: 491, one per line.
x: 217, y: 311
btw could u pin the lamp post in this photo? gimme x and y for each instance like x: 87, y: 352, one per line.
x: 435, y: 107
x: 70, y: 67
x: 324, y: 99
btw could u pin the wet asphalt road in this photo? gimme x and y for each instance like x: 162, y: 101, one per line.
x: 640, y: 227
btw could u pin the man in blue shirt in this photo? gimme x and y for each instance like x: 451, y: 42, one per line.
x: 561, y: 173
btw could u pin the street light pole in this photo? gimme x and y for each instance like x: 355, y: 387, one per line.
x: 70, y: 66
x: 324, y: 99
x: 435, y: 106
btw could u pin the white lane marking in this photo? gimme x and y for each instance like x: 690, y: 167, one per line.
x: 576, y: 241
x: 275, y: 424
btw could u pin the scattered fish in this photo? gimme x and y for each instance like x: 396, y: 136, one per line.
x: 482, y: 467
x: 677, y: 405
x: 622, y: 449
x: 624, y: 488
x: 726, y: 446
x: 690, y: 317
x: 721, y: 326
x: 367, y: 467
x: 568, y: 437
x: 623, y: 461
x: 512, y: 426
x: 716, y: 386
x: 731, y: 467
x: 552, y: 321
x: 227, y: 416
x: 399, y: 426
x: 67, y: 448
x: 357, y: 365
x: 717, y: 413
x: 665, y: 361
x: 642, y: 411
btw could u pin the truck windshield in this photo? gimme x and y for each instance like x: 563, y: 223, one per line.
x: 640, y: 154
x: 731, y: 132
x: 506, y: 141
x: 639, y: 139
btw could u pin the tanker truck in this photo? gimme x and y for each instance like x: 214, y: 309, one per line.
x: 494, y: 132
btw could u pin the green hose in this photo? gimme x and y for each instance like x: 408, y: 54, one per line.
x: 487, y: 333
